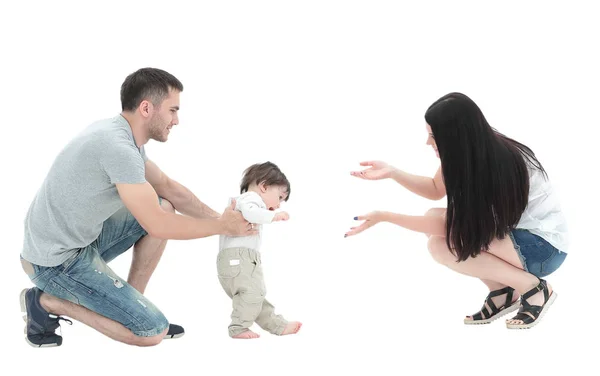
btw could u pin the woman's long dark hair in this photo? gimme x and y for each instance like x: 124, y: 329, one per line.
x: 485, y: 173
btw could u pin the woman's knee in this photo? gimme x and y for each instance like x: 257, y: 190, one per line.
x: 439, y: 250
x: 435, y: 212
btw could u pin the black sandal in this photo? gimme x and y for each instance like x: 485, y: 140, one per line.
x: 530, y: 314
x: 485, y: 316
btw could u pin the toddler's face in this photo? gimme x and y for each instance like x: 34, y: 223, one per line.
x: 273, y: 195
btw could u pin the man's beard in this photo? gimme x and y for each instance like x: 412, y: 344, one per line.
x: 156, y: 129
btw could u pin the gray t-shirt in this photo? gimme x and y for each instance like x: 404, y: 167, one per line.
x: 79, y: 192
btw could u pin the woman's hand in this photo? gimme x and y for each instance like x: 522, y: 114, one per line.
x: 370, y: 220
x: 377, y: 170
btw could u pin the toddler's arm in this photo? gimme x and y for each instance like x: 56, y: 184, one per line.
x: 251, y: 209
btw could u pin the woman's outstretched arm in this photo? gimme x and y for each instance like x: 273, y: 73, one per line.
x: 430, y: 188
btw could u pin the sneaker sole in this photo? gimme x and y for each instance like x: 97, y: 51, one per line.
x: 174, y: 336
x: 24, y: 310
x: 551, y: 300
x: 23, y: 306
x: 38, y: 346
x: 506, y: 311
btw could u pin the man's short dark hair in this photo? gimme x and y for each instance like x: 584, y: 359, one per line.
x: 147, y: 84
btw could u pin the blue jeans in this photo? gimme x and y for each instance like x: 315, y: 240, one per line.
x: 86, y: 279
x: 538, y: 256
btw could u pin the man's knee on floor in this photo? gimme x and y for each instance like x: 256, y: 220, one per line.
x: 167, y: 206
x: 147, y: 341
x: 148, y: 325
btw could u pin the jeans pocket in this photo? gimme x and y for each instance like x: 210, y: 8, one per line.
x: 66, y: 266
x: 55, y: 289
x: 553, y: 262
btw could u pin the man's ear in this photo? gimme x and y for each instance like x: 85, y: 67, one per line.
x: 146, y: 107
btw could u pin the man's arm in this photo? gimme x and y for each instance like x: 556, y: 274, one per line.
x: 141, y: 200
x: 182, y: 198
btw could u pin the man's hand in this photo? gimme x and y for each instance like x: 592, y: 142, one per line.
x: 234, y: 224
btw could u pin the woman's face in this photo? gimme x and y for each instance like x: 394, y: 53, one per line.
x: 431, y: 140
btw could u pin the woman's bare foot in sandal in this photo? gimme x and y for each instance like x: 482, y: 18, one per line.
x: 498, y: 303
x: 292, y: 328
x: 538, y: 299
x: 248, y: 334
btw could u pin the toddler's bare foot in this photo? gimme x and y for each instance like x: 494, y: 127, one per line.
x: 292, y: 328
x: 248, y: 334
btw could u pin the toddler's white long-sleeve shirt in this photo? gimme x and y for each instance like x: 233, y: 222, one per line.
x: 255, y: 211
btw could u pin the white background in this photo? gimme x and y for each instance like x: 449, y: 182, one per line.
x: 316, y: 87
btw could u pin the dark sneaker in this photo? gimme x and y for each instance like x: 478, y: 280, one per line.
x: 175, y: 331
x: 40, y: 325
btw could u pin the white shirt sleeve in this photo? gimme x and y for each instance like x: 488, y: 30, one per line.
x: 254, y: 209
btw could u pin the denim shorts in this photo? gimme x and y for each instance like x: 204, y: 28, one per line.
x: 86, y: 279
x: 538, y: 256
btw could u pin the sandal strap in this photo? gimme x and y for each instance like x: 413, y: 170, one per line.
x: 507, y: 290
x: 491, y: 304
x: 533, y: 310
x: 542, y: 286
x: 527, y: 319
x: 482, y: 315
x: 509, y: 294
